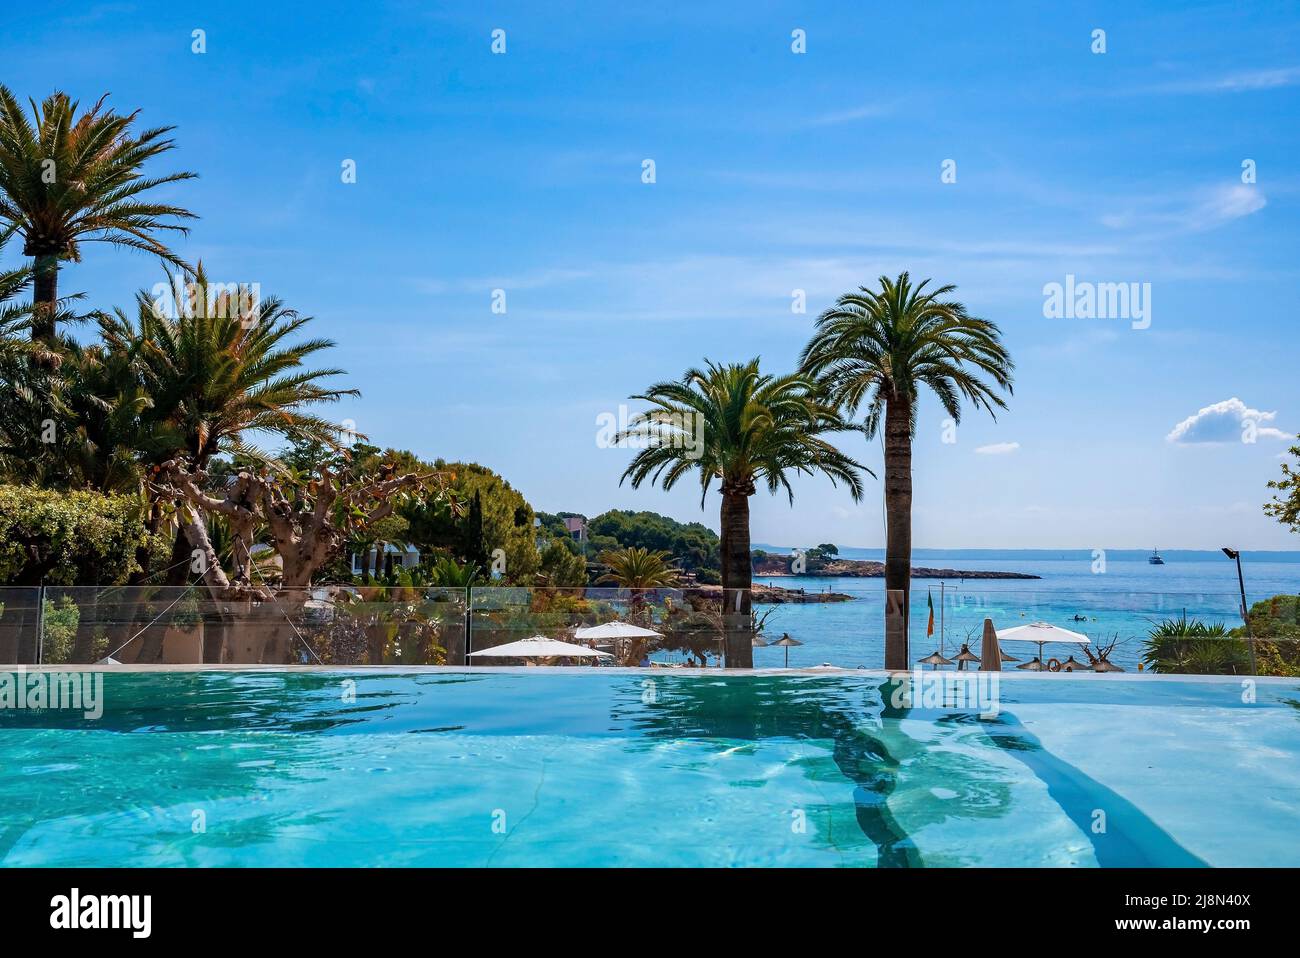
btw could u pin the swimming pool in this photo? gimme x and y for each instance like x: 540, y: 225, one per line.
x: 627, y: 767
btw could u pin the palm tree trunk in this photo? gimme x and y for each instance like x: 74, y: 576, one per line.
x: 898, y: 532
x: 45, y: 298
x: 737, y: 577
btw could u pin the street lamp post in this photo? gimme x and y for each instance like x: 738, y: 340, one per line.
x: 1235, y: 555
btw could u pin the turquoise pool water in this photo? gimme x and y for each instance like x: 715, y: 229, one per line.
x: 595, y: 767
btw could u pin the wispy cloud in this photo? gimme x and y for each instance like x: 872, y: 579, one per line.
x: 533, y: 279
x: 1222, y: 422
x: 1240, y: 82
x: 867, y: 111
x: 998, y: 448
x: 1203, y: 210
x: 1222, y: 205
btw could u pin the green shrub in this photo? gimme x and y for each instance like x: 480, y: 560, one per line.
x: 59, y: 629
x: 68, y: 538
x: 1275, y: 624
x: 1190, y: 647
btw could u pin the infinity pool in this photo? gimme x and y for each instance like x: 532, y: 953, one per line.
x: 623, y: 767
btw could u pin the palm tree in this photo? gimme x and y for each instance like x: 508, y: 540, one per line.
x: 67, y: 179
x: 637, y: 568
x: 33, y: 440
x: 223, y: 369
x: 446, y: 571
x: 741, y: 427
x: 876, y: 349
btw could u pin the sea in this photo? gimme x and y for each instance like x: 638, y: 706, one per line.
x: 1115, y: 596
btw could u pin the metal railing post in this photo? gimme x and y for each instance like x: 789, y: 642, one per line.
x: 40, y: 623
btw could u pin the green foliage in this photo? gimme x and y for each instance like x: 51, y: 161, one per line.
x: 68, y: 538
x: 473, y: 546
x: 693, y: 545
x: 157, y: 388
x: 1286, y: 507
x: 752, y: 427
x: 496, y: 517
x: 818, y: 556
x: 59, y: 629
x: 101, y: 193
x: 226, y: 368
x: 878, y: 346
x: 1187, y: 646
x: 635, y: 568
x: 1275, y: 618
x: 1275, y: 624
x: 561, y: 567
x: 448, y: 572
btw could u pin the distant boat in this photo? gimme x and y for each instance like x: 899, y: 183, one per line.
x: 1154, y: 558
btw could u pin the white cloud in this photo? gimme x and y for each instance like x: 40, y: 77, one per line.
x: 998, y: 448
x: 1241, y: 82
x: 1225, y: 422
x: 534, y: 279
x: 1228, y: 203
x: 1205, y: 210
x: 865, y: 112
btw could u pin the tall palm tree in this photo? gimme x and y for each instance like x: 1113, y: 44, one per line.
x: 741, y: 427
x: 875, y: 350
x: 68, y: 179
x: 637, y: 568
x: 15, y: 371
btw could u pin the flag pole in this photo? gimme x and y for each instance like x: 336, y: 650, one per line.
x: 941, y: 617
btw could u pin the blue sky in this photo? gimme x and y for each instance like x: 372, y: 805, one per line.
x: 775, y: 171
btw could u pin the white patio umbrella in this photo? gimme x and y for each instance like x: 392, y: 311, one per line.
x: 615, y: 630
x: 1042, y: 633
x: 539, y: 647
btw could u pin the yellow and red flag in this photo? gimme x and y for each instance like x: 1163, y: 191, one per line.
x: 929, y: 599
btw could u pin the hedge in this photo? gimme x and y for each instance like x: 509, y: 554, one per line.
x: 68, y: 538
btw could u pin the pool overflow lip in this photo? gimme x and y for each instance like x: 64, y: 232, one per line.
x: 867, y: 675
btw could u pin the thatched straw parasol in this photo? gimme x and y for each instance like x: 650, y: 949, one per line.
x: 964, y: 656
x: 934, y: 660
x: 1033, y: 665
x: 787, y: 643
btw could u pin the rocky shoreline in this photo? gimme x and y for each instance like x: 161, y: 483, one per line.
x: 864, y: 569
x: 780, y: 595
x: 775, y: 567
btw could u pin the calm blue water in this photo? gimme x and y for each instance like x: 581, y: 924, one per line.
x: 1124, y: 601
x: 596, y: 767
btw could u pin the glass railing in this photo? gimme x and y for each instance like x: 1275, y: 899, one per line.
x: 647, y: 627
x: 20, y: 624
x: 846, y: 627
x: 329, y: 625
